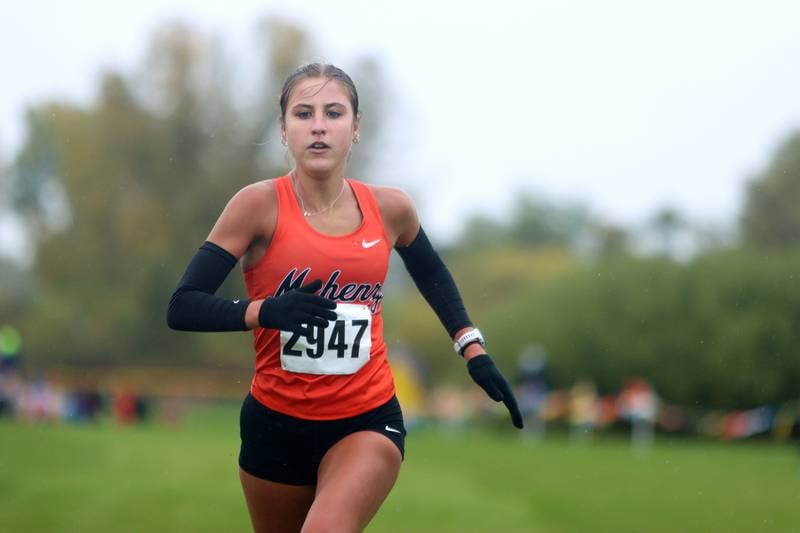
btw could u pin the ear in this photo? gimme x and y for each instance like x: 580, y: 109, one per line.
x: 357, y: 123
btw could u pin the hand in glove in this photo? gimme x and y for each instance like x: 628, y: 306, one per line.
x: 486, y: 374
x: 297, y: 310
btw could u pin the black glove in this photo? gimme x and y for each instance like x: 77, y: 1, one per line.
x: 485, y: 374
x: 296, y: 307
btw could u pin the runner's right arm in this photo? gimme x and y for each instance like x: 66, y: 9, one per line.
x: 194, y: 305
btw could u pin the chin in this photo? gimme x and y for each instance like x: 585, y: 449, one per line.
x: 316, y: 166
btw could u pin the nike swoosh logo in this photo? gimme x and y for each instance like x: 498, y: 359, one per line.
x: 369, y: 244
x: 236, y: 301
x: 387, y: 428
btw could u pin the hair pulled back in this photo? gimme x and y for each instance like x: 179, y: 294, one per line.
x: 318, y: 70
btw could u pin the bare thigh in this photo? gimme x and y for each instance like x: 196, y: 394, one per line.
x: 353, y: 480
x: 275, y: 507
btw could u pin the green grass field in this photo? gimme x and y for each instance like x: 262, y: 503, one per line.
x: 153, y: 478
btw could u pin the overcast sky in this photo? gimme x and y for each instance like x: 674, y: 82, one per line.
x: 624, y: 105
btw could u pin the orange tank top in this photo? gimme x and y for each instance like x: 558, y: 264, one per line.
x: 328, y: 376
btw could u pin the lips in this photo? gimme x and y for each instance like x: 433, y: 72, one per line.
x: 318, y: 146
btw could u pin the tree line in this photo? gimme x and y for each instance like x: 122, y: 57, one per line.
x: 718, y: 328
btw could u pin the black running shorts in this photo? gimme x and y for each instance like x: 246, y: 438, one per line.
x: 285, y: 449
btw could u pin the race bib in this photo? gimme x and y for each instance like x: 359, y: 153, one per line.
x: 341, y: 348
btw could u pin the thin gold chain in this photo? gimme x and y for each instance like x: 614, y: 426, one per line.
x: 307, y: 213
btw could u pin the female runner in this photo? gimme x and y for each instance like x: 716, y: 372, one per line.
x: 321, y: 429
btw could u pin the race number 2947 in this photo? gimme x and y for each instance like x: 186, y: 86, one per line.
x: 341, y: 348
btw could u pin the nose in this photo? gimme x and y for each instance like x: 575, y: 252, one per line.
x: 318, y: 125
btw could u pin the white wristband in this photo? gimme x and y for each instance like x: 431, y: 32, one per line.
x: 467, y: 338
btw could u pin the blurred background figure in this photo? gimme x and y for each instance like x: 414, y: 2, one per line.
x: 410, y: 378
x: 638, y: 405
x: 582, y: 410
x: 10, y: 383
x: 40, y: 401
x: 786, y: 424
x: 125, y: 406
x: 796, y: 428
x: 448, y: 406
x: 84, y: 403
x: 532, y: 388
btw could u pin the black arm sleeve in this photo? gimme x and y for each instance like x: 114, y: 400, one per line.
x: 435, y: 282
x: 193, y: 306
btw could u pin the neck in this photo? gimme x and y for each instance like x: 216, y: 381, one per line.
x: 317, y: 194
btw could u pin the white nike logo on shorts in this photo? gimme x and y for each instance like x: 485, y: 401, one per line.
x: 236, y: 301
x: 387, y: 428
x: 369, y: 244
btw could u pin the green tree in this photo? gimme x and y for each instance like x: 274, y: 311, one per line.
x: 666, y: 223
x: 716, y: 332
x: 771, y: 218
x: 608, y: 240
x: 533, y: 222
x: 374, y: 100
x: 16, y: 291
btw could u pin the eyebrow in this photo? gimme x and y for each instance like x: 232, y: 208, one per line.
x: 326, y: 106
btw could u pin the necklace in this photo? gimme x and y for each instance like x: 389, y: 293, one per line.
x: 307, y: 213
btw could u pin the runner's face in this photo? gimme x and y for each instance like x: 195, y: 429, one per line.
x: 319, y: 125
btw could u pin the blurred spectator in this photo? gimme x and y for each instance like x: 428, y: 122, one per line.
x: 10, y: 389
x: 142, y: 408
x: 743, y: 424
x: 583, y: 410
x: 124, y: 406
x: 410, y: 377
x: 785, y: 420
x: 447, y: 406
x: 795, y: 431
x: 638, y: 404
x: 84, y: 402
x: 607, y: 410
x: 532, y: 388
x: 10, y: 382
x: 556, y: 406
x: 40, y: 402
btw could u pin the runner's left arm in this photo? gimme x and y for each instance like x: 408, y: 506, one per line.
x: 436, y: 284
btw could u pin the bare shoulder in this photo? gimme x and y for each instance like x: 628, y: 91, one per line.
x: 398, y: 212
x: 255, y: 197
x: 250, y: 215
x: 392, y: 200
